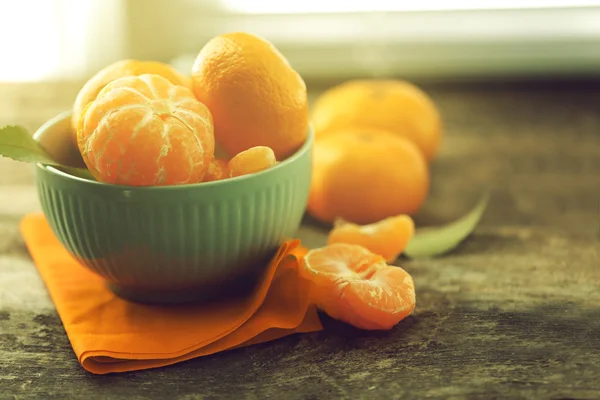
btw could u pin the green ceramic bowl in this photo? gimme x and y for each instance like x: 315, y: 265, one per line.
x: 182, y: 243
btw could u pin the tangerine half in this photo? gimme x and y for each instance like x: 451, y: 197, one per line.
x: 144, y: 130
x: 354, y: 285
x: 387, y: 237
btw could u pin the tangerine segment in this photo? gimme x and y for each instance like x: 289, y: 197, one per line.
x: 253, y: 160
x: 387, y: 237
x: 144, y: 130
x: 217, y: 170
x: 356, y: 286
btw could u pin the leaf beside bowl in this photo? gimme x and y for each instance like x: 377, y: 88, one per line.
x: 17, y: 144
x: 439, y: 240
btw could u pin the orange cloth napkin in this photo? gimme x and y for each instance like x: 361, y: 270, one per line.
x: 109, y: 334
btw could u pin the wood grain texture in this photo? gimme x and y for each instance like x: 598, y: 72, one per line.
x: 514, y: 312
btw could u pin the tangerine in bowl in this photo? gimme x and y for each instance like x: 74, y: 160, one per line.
x: 176, y: 243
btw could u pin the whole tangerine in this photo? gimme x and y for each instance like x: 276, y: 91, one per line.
x: 393, y: 105
x: 365, y: 175
x: 255, y: 96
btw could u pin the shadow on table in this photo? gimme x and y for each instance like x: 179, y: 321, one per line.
x: 339, y: 329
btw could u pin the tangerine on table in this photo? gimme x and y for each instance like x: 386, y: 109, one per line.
x: 253, y: 160
x: 387, y: 237
x: 255, y: 96
x: 217, y: 170
x: 144, y: 130
x: 393, y: 105
x: 353, y: 285
x: 120, y: 69
x: 366, y: 175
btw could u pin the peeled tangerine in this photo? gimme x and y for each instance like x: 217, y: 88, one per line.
x: 387, y: 237
x: 253, y: 160
x: 119, y: 69
x: 144, y: 131
x: 354, y: 285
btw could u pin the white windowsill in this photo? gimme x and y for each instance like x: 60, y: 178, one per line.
x: 412, y: 44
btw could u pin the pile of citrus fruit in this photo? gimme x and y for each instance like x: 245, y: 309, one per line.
x: 374, y: 141
x: 143, y: 123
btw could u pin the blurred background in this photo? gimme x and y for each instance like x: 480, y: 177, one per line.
x: 515, y: 80
x: 326, y: 41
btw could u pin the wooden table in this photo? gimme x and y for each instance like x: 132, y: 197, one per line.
x: 514, y: 312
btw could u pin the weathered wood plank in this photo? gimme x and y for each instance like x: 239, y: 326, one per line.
x: 512, y: 313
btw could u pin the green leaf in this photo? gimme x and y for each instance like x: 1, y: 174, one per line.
x: 436, y: 241
x: 18, y: 144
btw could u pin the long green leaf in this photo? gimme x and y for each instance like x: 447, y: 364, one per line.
x: 436, y: 241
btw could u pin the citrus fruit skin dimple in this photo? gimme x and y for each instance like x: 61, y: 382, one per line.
x: 351, y: 284
x: 255, y: 96
x: 366, y: 175
x: 120, y: 69
x: 253, y: 160
x: 387, y: 237
x: 393, y: 105
x: 145, y: 131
